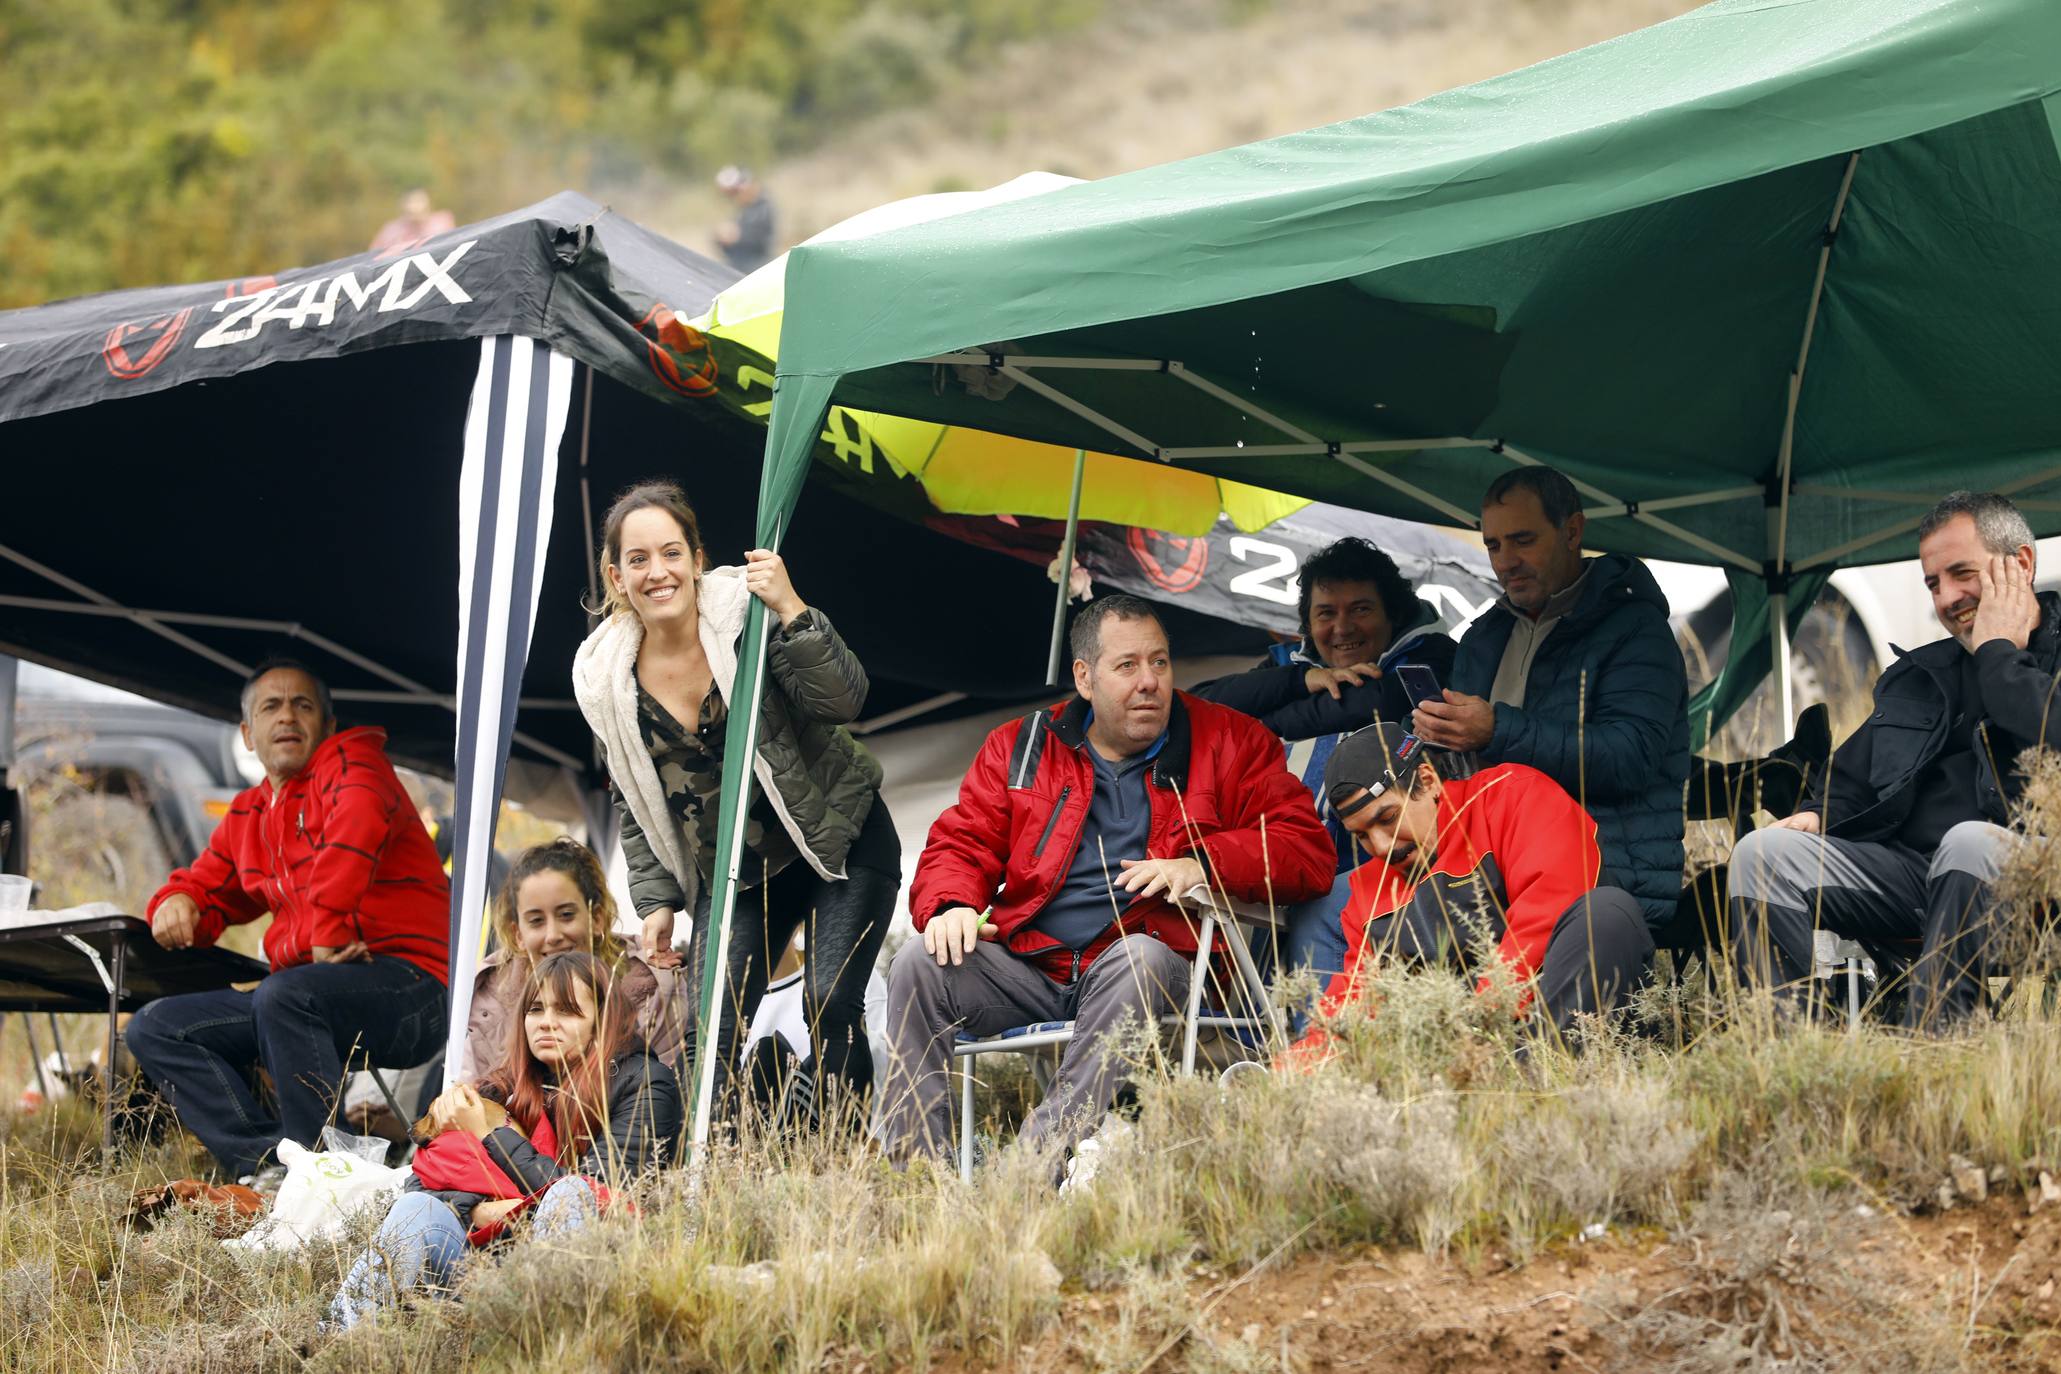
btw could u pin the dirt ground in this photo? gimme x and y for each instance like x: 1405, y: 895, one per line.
x: 1971, y: 1288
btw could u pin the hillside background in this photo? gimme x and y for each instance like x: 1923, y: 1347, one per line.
x: 147, y: 141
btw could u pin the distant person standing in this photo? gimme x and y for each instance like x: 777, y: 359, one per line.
x: 416, y: 222
x: 746, y: 241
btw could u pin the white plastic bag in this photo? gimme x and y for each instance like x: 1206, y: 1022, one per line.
x: 369, y: 1148
x: 319, y: 1191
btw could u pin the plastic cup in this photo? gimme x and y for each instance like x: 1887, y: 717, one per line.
x: 14, y: 893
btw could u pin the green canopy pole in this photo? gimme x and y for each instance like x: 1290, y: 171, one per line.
x: 1780, y: 664
x: 798, y: 407
x: 1073, y: 529
x: 1778, y: 512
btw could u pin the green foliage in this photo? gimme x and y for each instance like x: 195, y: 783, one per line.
x: 149, y: 141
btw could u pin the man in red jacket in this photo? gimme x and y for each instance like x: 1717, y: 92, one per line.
x: 1501, y: 864
x: 1051, y: 890
x: 330, y: 846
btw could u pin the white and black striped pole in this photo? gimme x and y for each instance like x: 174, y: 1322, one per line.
x: 512, y: 429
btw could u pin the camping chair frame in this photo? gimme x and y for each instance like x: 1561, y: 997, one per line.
x: 1216, y: 911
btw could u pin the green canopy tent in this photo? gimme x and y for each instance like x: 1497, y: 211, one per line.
x: 1762, y: 280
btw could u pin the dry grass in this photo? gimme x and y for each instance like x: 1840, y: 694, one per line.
x: 1735, y: 1153
x: 1427, y: 1131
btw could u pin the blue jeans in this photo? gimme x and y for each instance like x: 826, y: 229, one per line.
x: 300, y: 1023
x: 1315, y: 938
x: 422, y: 1244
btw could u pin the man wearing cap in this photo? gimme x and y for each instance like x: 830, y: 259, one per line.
x: 746, y: 241
x: 1501, y: 860
x: 1361, y: 621
x: 1575, y: 672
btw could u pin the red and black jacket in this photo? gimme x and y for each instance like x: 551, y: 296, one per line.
x: 1220, y: 792
x: 337, y: 855
x: 1509, y: 839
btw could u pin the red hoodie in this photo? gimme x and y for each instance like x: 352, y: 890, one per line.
x: 1515, y: 832
x: 337, y: 855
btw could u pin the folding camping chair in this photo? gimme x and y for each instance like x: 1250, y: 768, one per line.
x: 1832, y: 955
x: 1216, y: 911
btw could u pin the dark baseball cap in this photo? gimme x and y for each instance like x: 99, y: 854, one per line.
x: 1382, y: 756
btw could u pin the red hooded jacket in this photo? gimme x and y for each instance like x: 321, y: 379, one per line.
x: 1514, y: 830
x: 1220, y: 792
x: 336, y: 855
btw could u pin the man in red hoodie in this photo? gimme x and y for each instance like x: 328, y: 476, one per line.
x: 1500, y: 865
x: 1050, y: 891
x: 330, y: 845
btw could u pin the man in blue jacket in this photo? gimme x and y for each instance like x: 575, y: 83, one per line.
x: 1902, y: 837
x: 1361, y: 620
x: 1575, y: 672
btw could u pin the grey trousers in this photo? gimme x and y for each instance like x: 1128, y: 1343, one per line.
x: 993, y: 991
x: 1931, y: 912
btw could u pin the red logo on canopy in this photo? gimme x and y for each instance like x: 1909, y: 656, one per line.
x: 134, y: 348
x: 1173, y: 563
x: 680, y: 354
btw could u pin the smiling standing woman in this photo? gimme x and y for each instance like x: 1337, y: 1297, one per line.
x: 653, y: 681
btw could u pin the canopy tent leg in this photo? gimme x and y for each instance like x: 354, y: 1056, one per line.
x: 1778, y: 515
x: 506, y: 486
x: 1073, y: 529
x: 799, y: 403
x: 1785, y: 674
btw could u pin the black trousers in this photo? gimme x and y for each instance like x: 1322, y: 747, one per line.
x: 1599, y: 952
x: 843, y: 924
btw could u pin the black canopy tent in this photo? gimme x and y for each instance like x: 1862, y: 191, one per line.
x: 392, y: 467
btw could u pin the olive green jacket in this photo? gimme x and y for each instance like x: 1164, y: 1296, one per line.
x: 820, y: 781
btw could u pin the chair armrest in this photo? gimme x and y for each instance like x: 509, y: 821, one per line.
x: 1203, y: 896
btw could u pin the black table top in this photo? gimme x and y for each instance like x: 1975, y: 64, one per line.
x: 41, y: 969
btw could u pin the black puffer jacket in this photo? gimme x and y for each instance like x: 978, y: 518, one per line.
x: 1605, y: 715
x: 1868, y: 791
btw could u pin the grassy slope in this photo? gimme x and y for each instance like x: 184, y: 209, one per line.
x: 1422, y: 1193
x: 1167, y: 79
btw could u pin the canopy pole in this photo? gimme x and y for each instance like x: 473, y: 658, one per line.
x: 1777, y: 572
x: 1778, y: 633
x: 507, y: 482
x: 1803, y: 356
x: 587, y: 513
x: 1669, y: 527
x: 1073, y: 529
x: 708, y: 1039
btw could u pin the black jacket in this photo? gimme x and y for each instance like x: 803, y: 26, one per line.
x: 1606, y: 716
x: 1868, y: 790
x: 1276, y: 694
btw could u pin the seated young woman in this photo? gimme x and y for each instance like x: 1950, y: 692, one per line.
x: 581, y: 1105
x: 556, y: 899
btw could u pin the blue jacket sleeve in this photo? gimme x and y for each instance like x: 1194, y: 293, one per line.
x: 1632, y: 694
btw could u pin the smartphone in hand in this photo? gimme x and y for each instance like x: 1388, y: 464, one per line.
x: 1420, y: 684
